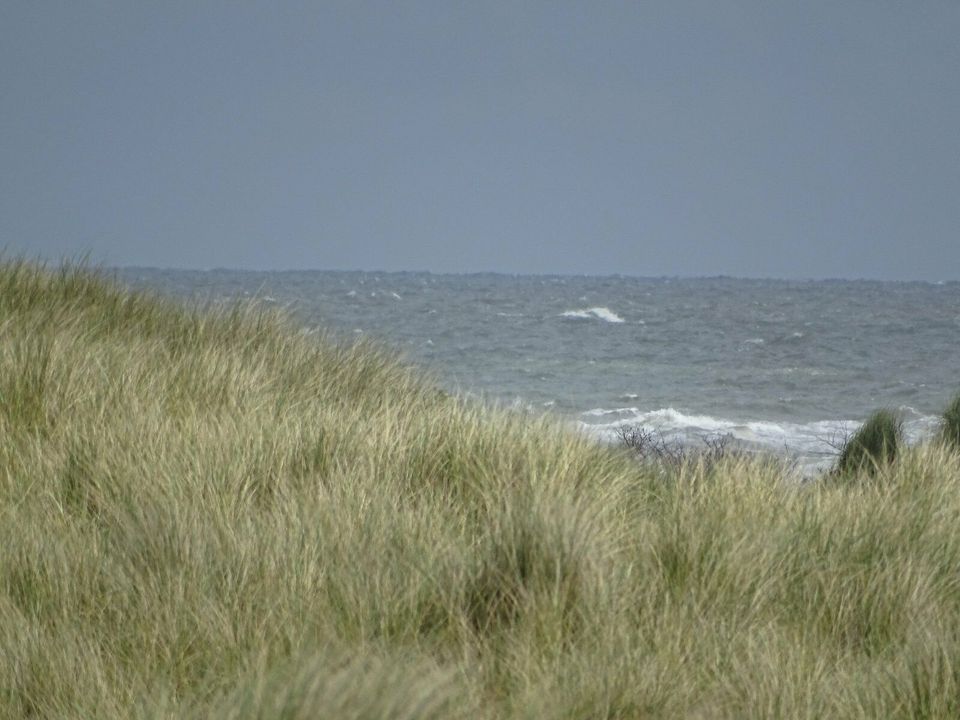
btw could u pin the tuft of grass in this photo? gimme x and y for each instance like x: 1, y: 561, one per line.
x: 950, y: 424
x: 335, y: 683
x: 204, y: 513
x: 875, y: 444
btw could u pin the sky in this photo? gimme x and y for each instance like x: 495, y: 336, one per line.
x: 753, y: 139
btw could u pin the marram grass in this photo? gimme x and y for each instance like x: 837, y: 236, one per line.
x: 204, y: 513
x: 874, y: 444
x: 950, y: 424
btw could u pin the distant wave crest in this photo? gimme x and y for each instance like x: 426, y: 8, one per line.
x: 598, y: 313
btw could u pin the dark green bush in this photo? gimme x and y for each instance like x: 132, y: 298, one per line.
x: 874, y: 444
x: 950, y: 425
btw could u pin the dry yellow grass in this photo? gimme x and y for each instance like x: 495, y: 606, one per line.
x: 204, y: 513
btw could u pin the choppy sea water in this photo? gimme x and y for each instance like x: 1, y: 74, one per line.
x: 782, y: 366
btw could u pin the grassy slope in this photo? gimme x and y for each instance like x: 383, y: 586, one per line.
x: 206, y: 514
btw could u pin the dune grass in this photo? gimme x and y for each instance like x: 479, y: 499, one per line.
x: 950, y: 425
x: 874, y: 444
x: 204, y: 513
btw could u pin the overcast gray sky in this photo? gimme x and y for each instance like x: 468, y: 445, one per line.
x: 782, y: 139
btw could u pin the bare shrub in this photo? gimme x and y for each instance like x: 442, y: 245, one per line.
x: 650, y: 445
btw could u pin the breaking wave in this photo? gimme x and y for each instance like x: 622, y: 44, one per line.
x: 812, y: 444
x: 598, y: 313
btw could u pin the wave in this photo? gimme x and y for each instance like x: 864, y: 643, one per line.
x: 603, y: 412
x: 599, y: 313
x: 812, y: 444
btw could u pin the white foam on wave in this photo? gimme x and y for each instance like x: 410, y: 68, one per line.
x: 813, y: 444
x: 603, y: 412
x: 599, y: 313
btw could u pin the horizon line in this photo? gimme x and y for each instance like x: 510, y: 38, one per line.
x: 502, y: 273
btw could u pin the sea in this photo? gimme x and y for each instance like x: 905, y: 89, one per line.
x: 774, y: 366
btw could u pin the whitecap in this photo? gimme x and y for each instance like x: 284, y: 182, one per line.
x: 396, y: 296
x: 813, y: 444
x: 599, y: 313
x: 600, y: 412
